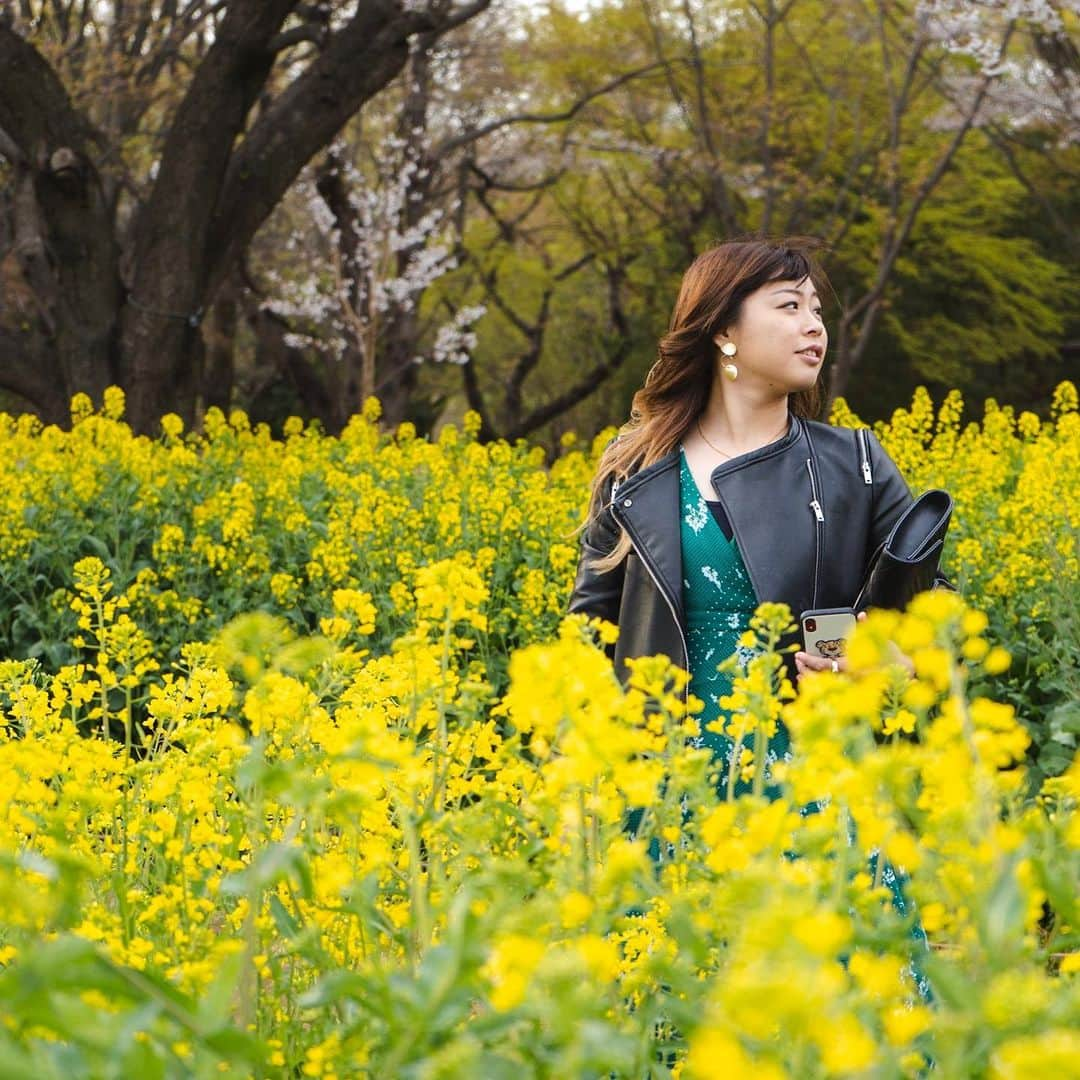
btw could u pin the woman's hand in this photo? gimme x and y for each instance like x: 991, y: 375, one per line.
x: 805, y: 661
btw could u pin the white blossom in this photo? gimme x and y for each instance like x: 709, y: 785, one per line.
x: 393, y: 260
x: 455, y: 341
x: 973, y: 26
x: 1020, y: 94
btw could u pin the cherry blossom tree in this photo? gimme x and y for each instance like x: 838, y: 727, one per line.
x: 384, y: 217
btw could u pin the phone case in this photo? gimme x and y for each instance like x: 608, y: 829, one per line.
x: 831, y: 629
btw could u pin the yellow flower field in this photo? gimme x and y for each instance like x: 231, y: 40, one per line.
x: 303, y: 773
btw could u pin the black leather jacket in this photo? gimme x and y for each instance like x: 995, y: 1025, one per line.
x: 807, y: 512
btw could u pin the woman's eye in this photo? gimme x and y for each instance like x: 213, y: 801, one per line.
x: 819, y: 312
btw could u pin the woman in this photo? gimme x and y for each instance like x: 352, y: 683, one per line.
x: 722, y: 491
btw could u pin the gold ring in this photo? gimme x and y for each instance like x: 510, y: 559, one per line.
x: 835, y: 666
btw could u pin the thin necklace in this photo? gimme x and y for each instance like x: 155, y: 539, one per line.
x: 723, y: 453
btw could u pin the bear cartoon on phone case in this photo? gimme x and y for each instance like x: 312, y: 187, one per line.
x: 831, y: 649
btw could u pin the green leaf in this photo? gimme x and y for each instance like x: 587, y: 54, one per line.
x: 215, y: 1005
x: 96, y: 547
x: 288, y: 925
x: 949, y: 984
x: 1065, y: 718
x: 237, y: 1045
x: 336, y: 986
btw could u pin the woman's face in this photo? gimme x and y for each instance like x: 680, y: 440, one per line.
x: 780, y: 337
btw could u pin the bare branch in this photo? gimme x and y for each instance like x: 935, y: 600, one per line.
x: 186, y: 24
x: 315, y: 33
x: 491, y: 184
x: 529, y: 358
x: 525, y: 328
x: 698, y: 65
x: 575, y: 266
x: 475, y: 398
x: 597, y: 374
x: 667, y: 65
x: 569, y: 113
x: 864, y: 313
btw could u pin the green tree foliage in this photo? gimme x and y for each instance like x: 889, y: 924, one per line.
x: 836, y: 120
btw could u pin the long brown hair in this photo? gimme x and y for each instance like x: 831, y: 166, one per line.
x: 677, y: 386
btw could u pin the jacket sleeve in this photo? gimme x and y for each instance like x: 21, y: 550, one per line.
x: 891, y: 498
x: 598, y: 593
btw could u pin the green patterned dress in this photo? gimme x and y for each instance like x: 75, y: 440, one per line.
x: 719, y: 599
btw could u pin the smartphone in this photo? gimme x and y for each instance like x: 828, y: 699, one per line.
x: 825, y: 631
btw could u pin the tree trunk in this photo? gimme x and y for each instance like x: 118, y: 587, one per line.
x: 218, y: 180
x: 219, y: 337
x: 173, y: 256
x: 60, y: 274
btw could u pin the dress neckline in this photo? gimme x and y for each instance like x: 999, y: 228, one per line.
x: 710, y: 523
x: 693, y: 480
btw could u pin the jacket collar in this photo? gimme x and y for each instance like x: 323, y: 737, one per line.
x: 793, y: 435
x: 661, y: 466
x: 647, y: 502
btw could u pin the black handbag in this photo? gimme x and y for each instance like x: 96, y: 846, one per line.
x: 907, y: 561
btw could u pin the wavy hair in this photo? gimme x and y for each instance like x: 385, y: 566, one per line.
x: 676, y: 388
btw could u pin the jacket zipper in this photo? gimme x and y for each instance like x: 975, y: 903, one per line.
x: 864, y: 450
x: 647, y: 563
x: 819, y: 521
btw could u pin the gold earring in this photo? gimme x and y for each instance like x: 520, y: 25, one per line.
x: 730, y: 370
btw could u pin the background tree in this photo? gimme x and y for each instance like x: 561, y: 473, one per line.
x: 108, y: 272
x: 372, y: 227
x: 504, y: 223
x: 868, y: 126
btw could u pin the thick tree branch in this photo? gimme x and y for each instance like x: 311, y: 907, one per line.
x: 313, y: 33
x: 355, y: 64
x: 35, y: 109
x: 196, y: 153
x: 172, y: 247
